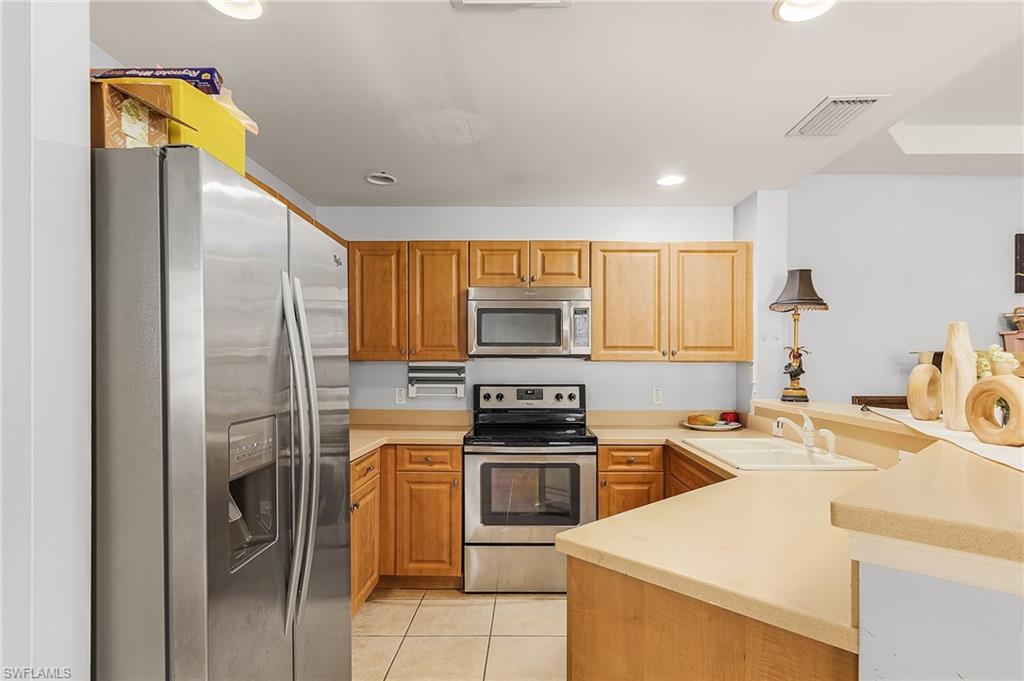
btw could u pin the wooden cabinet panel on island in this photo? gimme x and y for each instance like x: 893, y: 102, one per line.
x: 711, y: 302
x: 378, y: 310
x: 428, y: 523
x: 365, y: 515
x: 619, y: 492
x: 438, y: 277
x: 499, y: 263
x: 630, y: 301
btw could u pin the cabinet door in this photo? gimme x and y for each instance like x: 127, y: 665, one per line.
x: 630, y: 301
x: 438, y: 279
x: 499, y: 263
x: 378, y: 307
x: 618, y: 492
x: 365, y: 512
x: 428, y: 524
x: 711, y: 318
x: 559, y: 263
x: 690, y: 473
x: 674, y: 486
x: 387, y: 510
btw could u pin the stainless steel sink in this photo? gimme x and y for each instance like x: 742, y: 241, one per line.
x: 773, y: 454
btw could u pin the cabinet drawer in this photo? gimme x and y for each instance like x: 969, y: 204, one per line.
x: 630, y: 458
x: 429, y: 458
x: 363, y: 469
x: 691, y: 473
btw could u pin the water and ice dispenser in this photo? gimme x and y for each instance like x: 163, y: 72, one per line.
x: 252, y: 488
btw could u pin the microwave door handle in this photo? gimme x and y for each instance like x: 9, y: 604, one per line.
x: 566, y: 328
x: 299, y: 395
x: 314, y: 467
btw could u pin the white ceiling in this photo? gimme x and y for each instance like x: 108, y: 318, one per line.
x: 990, y: 93
x: 577, y: 106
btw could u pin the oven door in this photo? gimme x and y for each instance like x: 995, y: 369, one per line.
x: 527, y: 498
x: 520, y: 327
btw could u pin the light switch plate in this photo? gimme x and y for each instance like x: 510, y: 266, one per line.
x: 777, y: 428
x: 400, y: 395
x: 657, y: 396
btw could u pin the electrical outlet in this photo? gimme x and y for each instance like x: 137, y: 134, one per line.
x: 657, y: 396
x: 777, y: 428
x: 400, y: 395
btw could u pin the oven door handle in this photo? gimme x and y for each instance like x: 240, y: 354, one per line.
x: 560, y: 449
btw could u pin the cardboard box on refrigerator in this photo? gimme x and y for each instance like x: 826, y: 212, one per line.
x: 125, y: 116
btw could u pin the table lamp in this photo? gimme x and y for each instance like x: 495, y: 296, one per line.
x: 798, y: 294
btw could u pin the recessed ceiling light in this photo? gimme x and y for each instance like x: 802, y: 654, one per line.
x: 800, y: 10
x: 246, y: 10
x: 381, y: 179
x: 670, y: 180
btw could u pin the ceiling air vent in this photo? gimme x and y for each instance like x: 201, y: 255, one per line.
x: 831, y: 116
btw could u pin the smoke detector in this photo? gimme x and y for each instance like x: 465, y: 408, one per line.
x: 381, y: 179
x: 831, y: 115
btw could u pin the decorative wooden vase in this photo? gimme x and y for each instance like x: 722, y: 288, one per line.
x: 959, y: 374
x: 924, y: 390
x: 981, y: 410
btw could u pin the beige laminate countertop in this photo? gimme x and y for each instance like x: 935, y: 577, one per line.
x: 365, y: 439
x: 760, y: 544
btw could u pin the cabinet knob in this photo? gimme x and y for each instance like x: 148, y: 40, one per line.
x: 525, y: 278
x: 604, y: 483
x: 354, y: 507
x: 401, y: 351
x: 664, y: 353
x: 674, y: 352
x: 533, y: 277
x: 455, y: 482
x: 631, y: 459
x: 370, y: 468
x: 428, y: 459
x: 412, y: 352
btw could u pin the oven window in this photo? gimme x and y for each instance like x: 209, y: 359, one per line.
x: 519, y: 327
x: 530, y: 493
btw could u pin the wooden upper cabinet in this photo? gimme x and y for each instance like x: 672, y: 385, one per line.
x: 377, y: 286
x: 630, y: 301
x: 711, y: 310
x: 499, y: 263
x: 559, y: 263
x: 438, y: 277
x: 428, y: 523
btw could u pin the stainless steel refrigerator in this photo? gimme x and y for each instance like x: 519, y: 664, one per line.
x: 221, y: 399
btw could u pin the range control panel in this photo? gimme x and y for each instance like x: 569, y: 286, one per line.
x: 529, y: 396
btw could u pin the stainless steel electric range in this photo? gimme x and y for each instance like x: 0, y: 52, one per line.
x: 530, y: 469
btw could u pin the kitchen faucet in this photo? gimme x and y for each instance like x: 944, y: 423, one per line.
x: 806, y: 432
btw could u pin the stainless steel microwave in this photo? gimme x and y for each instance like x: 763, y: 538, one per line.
x: 509, y: 321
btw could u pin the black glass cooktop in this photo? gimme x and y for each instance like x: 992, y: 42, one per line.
x: 529, y: 435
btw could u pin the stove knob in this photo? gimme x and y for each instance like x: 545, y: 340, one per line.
x: 487, y: 397
x: 559, y: 397
x: 572, y: 397
x: 499, y: 397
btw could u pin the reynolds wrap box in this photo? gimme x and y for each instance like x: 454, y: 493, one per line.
x: 204, y: 78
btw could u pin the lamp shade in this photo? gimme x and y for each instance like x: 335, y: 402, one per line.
x: 798, y: 293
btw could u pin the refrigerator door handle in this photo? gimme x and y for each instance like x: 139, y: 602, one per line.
x: 299, y: 383
x: 314, y: 414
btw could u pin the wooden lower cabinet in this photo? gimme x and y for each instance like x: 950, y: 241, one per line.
x: 674, y: 486
x: 365, y: 517
x: 619, y: 492
x: 690, y: 474
x: 623, y: 629
x: 428, y: 523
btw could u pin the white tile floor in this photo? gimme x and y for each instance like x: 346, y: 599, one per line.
x: 410, y: 635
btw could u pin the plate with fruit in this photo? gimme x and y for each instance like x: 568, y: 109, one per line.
x: 727, y: 420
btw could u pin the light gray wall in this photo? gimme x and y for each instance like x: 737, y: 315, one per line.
x: 45, y: 337
x: 762, y: 218
x: 897, y: 258
x: 611, y: 385
x: 100, y: 58
x: 918, y: 627
x: 468, y: 222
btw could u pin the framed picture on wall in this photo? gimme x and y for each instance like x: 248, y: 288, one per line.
x: 1018, y: 265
